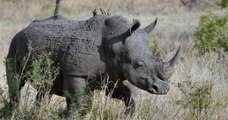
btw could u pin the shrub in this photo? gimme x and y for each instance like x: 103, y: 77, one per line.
x: 224, y: 3
x: 43, y: 73
x: 41, y: 77
x: 212, y: 33
x: 197, y: 99
x: 5, y: 111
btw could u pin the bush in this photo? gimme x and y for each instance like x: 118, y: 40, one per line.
x: 197, y: 100
x: 212, y: 33
x: 41, y: 77
x: 224, y: 3
x: 43, y: 73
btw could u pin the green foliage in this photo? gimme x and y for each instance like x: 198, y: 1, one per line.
x: 197, y: 99
x: 5, y: 111
x: 43, y: 73
x: 41, y: 77
x: 212, y: 33
x: 224, y: 3
x: 12, y: 78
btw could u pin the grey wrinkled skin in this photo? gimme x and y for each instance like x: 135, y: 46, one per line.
x: 90, y: 51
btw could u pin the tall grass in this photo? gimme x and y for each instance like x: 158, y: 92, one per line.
x: 207, y: 77
x: 175, y: 26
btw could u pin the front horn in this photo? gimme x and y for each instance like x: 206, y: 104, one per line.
x: 167, y: 68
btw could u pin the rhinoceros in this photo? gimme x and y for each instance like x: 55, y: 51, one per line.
x: 103, y: 46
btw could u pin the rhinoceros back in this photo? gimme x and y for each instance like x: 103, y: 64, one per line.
x: 72, y: 43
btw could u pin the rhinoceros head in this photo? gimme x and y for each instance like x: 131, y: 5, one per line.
x: 136, y: 61
x: 140, y: 67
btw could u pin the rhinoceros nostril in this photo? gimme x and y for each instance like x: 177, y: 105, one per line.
x: 155, y: 87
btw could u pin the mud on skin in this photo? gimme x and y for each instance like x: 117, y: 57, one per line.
x: 102, y: 45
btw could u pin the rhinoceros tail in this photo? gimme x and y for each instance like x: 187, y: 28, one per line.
x: 56, y: 12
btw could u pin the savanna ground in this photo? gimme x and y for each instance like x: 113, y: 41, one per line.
x: 199, y: 85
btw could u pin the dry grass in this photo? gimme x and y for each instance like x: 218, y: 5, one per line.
x: 175, y: 26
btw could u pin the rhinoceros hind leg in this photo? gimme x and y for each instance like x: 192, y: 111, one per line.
x: 13, y: 70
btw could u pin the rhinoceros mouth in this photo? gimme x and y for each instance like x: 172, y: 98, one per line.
x: 153, y: 86
x: 154, y: 90
x: 159, y: 87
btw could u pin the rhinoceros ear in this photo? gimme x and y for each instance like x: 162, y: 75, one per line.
x: 135, y: 25
x: 151, y: 26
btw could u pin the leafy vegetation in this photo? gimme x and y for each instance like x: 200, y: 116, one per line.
x: 41, y: 77
x: 212, y: 33
x: 43, y: 73
x: 224, y: 3
x: 197, y: 99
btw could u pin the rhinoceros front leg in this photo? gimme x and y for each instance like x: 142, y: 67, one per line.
x: 74, y: 88
x: 126, y: 92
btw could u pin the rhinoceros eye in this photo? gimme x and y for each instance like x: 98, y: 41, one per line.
x: 139, y: 64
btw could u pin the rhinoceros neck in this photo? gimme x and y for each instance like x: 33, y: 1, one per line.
x: 114, y: 49
x: 114, y: 34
